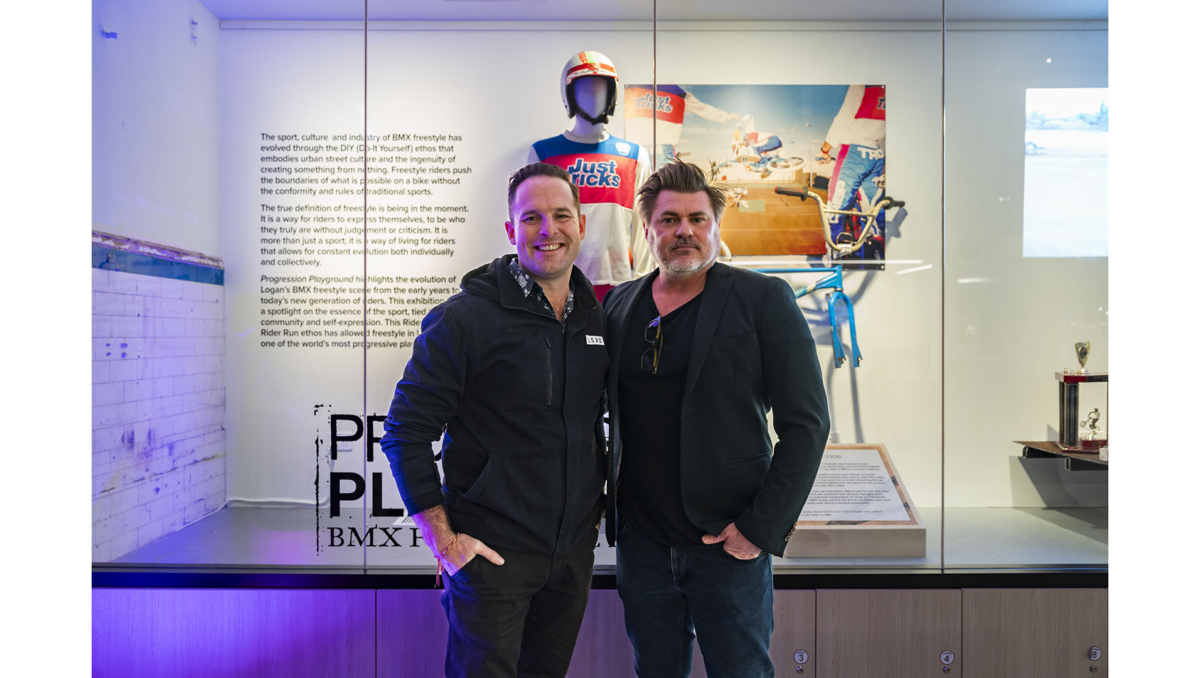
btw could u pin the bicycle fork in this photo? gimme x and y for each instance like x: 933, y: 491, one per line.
x: 832, y: 282
x: 839, y: 355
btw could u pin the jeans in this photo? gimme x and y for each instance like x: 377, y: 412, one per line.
x: 517, y: 619
x: 673, y: 595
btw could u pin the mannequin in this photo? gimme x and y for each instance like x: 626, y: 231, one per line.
x: 607, y: 170
x: 591, y: 98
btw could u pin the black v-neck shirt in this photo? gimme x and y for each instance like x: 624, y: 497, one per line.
x: 649, y: 493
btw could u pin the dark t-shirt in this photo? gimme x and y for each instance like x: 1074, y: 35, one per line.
x: 650, y: 495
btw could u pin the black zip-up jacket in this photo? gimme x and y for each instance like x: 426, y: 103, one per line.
x: 520, y: 397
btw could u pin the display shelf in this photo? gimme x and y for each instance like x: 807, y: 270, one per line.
x: 1026, y: 538
x: 976, y: 539
x: 1075, y: 460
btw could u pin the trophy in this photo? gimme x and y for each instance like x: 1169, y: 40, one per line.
x: 1069, y: 423
x: 1090, y: 439
x: 1082, y: 349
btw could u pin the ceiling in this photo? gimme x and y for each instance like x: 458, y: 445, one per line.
x: 668, y: 10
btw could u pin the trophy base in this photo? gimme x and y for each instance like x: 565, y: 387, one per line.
x: 1084, y: 445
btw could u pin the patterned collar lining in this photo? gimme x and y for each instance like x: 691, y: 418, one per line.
x: 530, y: 287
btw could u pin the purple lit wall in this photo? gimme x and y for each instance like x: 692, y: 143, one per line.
x: 220, y: 633
x: 172, y: 633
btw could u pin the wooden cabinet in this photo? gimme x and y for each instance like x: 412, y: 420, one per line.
x: 889, y: 634
x: 1034, y: 632
x: 992, y: 633
x: 795, y: 629
x: 412, y: 633
x: 413, y: 629
x: 603, y: 648
x: 167, y: 633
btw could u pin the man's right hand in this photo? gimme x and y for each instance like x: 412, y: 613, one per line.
x: 464, y: 550
x: 454, y: 553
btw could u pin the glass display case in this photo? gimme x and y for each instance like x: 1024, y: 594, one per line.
x: 1026, y: 283
x: 281, y: 192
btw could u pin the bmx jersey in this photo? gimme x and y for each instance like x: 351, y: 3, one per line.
x: 608, y: 175
x: 861, y: 119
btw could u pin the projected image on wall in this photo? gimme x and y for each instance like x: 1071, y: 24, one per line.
x: 1066, y: 173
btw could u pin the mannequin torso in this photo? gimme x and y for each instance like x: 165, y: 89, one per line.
x: 608, y: 171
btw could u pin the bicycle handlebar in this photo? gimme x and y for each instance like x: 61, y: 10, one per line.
x: 803, y: 195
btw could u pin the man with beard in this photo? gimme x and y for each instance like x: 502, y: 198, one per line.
x: 699, y: 353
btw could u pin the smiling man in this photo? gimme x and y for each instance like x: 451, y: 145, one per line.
x: 512, y: 368
x: 700, y: 352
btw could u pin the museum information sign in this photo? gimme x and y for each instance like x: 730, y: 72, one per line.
x: 854, y: 485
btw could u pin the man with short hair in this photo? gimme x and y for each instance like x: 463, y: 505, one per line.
x: 513, y: 369
x: 699, y: 352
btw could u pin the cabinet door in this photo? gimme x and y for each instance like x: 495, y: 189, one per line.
x: 892, y: 634
x: 413, y: 629
x: 795, y: 631
x: 603, y: 648
x: 179, y: 633
x: 1035, y: 632
x: 411, y: 632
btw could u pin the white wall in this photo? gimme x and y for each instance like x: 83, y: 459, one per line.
x: 158, y: 407
x: 155, y: 124
x: 1014, y: 321
x: 499, y: 90
x: 280, y: 82
x: 158, y: 373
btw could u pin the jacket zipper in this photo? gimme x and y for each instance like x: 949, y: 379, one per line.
x: 549, y: 371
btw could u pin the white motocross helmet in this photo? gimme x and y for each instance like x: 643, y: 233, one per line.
x: 581, y: 65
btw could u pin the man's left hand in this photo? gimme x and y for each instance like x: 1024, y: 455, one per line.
x: 736, y: 545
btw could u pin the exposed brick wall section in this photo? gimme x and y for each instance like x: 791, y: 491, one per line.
x: 158, y: 408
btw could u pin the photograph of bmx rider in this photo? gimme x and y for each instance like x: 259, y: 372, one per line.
x: 855, y: 139
x: 748, y: 141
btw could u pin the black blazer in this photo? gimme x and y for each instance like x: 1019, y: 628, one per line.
x: 752, y: 352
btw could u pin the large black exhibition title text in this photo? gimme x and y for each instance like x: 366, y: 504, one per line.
x: 338, y: 430
x: 357, y: 483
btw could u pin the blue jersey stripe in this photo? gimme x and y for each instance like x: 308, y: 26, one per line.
x: 560, y: 145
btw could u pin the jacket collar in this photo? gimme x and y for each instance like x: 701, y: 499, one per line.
x: 716, y: 292
x: 512, y: 296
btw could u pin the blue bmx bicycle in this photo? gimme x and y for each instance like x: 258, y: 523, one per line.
x: 844, y: 246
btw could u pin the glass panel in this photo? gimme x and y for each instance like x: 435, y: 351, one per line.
x: 792, y: 119
x: 1026, y: 279
x: 456, y: 108
x: 224, y: 150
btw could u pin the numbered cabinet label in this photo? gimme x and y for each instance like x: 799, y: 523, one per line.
x: 801, y: 657
x: 1094, y: 654
x: 947, y: 657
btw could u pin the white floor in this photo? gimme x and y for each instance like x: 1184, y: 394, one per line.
x: 975, y: 538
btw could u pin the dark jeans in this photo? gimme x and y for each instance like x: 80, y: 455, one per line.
x: 517, y: 619
x: 672, y: 595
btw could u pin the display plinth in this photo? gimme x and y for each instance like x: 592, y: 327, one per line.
x: 858, y: 508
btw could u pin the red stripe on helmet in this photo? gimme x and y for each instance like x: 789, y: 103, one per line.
x: 593, y: 67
